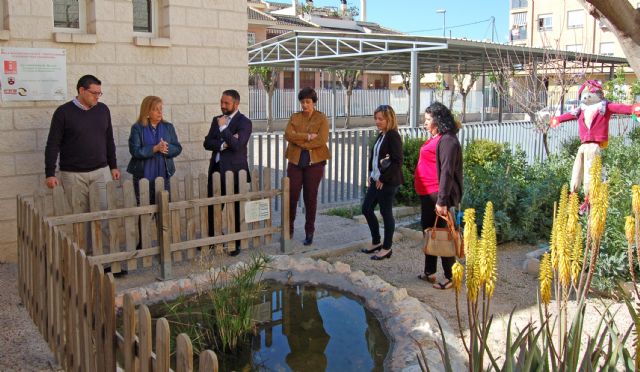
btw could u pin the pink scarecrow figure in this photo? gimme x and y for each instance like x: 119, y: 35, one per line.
x: 593, y: 116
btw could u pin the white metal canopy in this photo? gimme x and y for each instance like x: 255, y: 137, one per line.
x: 401, y: 53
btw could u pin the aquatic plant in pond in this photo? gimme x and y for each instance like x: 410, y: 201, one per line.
x: 305, y: 328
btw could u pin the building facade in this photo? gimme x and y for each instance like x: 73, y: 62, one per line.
x: 564, y: 25
x: 187, y: 52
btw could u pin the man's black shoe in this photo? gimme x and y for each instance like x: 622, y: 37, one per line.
x: 308, y: 240
x: 234, y: 253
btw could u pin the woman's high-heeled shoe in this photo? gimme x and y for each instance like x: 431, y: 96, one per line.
x: 372, y: 250
x: 378, y: 258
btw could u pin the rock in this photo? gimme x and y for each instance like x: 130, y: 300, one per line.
x: 538, y: 252
x: 531, y: 266
x: 342, y: 268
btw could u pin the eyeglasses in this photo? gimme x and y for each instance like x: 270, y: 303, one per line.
x: 97, y: 94
x: 384, y: 108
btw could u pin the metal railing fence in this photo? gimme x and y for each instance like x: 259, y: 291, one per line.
x: 346, y: 173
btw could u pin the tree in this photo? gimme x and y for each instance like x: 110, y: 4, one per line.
x: 622, y: 19
x: 348, y: 79
x: 269, y: 78
x: 459, y: 80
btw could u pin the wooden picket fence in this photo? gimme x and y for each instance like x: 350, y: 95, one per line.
x: 125, y: 235
x: 72, y: 301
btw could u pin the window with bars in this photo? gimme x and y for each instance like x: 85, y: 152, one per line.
x: 251, y: 38
x: 575, y: 18
x: 545, y: 22
x: 69, y: 14
x: 519, y: 4
x: 143, y: 19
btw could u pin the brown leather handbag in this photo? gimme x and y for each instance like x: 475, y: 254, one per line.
x: 443, y: 241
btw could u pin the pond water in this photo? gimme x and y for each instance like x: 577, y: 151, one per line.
x: 310, y: 328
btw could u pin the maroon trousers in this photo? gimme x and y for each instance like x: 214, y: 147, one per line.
x: 308, y: 180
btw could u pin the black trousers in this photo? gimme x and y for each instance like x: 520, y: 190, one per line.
x: 223, y: 187
x: 427, y: 219
x: 384, y: 198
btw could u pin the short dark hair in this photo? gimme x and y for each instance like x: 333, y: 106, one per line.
x: 86, y: 81
x: 308, y: 92
x: 233, y: 94
x: 443, y: 118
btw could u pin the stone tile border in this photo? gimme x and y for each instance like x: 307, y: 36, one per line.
x: 403, y: 318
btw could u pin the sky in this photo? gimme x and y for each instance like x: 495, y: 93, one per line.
x: 419, y: 17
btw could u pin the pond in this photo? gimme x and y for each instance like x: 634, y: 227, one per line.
x: 309, y: 328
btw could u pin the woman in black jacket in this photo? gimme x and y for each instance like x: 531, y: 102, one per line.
x: 385, y: 177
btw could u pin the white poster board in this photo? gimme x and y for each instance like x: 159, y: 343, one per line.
x: 33, y: 74
x: 257, y: 210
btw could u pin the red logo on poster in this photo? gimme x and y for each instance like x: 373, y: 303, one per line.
x: 10, y: 67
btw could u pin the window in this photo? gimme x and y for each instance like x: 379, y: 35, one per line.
x: 519, y: 26
x: 251, y: 38
x: 545, y: 22
x: 577, y: 48
x: 575, y: 19
x: 143, y: 16
x: 518, y: 33
x: 606, y: 49
x: 519, y: 4
x: 69, y: 15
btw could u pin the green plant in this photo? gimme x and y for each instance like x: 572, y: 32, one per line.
x: 345, y: 212
x: 411, y: 152
x: 221, y: 314
x: 615, y: 89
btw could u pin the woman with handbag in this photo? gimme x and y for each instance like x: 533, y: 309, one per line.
x: 438, y: 181
x: 385, y: 177
x: 307, y: 153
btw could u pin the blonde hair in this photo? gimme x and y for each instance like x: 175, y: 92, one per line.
x: 148, y: 104
x: 389, y: 115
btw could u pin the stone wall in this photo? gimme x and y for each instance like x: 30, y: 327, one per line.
x: 198, y: 51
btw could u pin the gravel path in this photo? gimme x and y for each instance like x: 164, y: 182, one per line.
x: 21, y: 346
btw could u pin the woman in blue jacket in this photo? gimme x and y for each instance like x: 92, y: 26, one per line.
x: 153, y: 143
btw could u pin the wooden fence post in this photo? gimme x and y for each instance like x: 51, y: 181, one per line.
x: 164, y: 232
x: 184, y: 353
x: 163, y: 342
x: 208, y: 361
x: 285, y: 242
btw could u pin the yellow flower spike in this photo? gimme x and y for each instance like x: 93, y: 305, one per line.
x: 471, y: 253
x: 598, y: 213
x: 635, y: 198
x: 630, y: 229
x: 487, y: 253
x: 559, y: 226
x: 596, y: 175
x: 576, y: 256
x: 458, y: 272
x: 546, y: 278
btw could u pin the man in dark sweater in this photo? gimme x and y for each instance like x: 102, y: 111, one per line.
x: 81, y: 133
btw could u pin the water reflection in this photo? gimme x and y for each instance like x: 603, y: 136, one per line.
x: 307, y: 328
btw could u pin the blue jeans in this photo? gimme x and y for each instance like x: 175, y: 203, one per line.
x: 384, y: 198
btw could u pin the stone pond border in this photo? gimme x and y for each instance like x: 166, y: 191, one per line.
x: 404, y: 318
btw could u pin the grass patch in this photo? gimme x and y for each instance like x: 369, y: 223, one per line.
x: 345, y: 212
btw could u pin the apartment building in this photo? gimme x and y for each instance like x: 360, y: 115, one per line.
x: 186, y: 52
x: 563, y: 25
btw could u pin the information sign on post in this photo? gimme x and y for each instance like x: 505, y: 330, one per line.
x: 33, y: 74
x: 257, y: 210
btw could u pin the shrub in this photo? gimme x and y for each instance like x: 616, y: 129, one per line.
x: 411, y: 152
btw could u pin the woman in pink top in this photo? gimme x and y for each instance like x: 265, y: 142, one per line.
x: 438, y: 180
